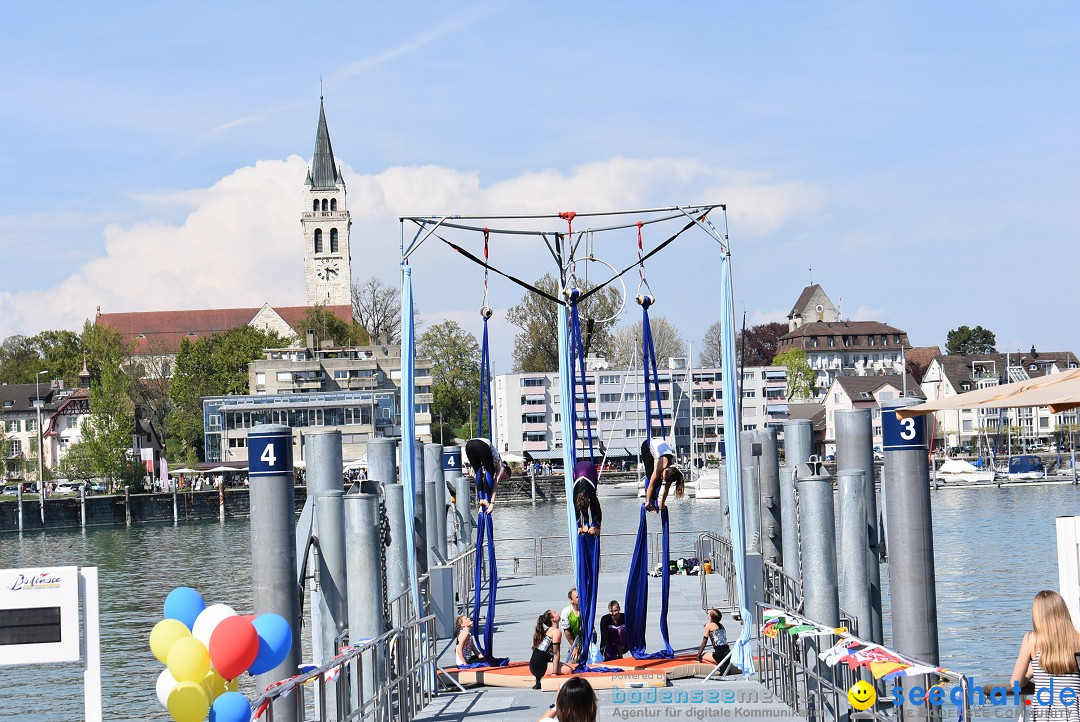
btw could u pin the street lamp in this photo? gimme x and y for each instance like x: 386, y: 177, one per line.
x: 40, y: 450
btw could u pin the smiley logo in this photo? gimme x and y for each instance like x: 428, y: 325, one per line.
x: 861, y: 695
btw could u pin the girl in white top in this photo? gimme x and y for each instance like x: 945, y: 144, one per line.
x: 659, y: 460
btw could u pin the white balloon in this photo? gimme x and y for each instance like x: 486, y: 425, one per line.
x: 165, y: 684
x: 207, y: 621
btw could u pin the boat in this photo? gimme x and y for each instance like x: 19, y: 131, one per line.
x: 1024, y: 468
x: 958, y: 471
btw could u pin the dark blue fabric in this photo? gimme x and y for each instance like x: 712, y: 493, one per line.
x: 577, y: 372
x: 588, y: 582
x: 483, y: 411
x: 484, y: 529
x: 636, y: 605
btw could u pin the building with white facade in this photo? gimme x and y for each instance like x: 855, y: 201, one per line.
x: 972, y: 429
x: 528, y: 410
x: 848, y: 393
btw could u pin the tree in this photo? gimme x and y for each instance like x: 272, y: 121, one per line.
x: 761, y: 341
x: 212, y: 366
x: 626, y: 343
x: 107, y: 433
x: 377, y: 307
x: 964, y: 341
x: 536, y: 348
x: 455, y: 373
x: 19, y: 360
x: 61, y: 354
x: 800, y: 377
x: 77, y: 463
x: 328, y: 327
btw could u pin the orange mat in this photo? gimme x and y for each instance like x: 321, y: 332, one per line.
x: 635, y: 673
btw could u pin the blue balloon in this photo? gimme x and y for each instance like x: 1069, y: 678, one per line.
x: 275, y: 641
x: 184, y: 604
x: 230, y: 707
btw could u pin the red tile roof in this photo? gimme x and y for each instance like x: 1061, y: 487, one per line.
x: 160, y: 332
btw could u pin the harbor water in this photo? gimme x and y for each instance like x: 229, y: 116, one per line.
x: 995, y: 548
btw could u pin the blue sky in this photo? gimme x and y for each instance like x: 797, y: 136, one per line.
x: 921, y: 157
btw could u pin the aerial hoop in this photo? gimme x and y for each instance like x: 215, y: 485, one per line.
x: 571, y: 285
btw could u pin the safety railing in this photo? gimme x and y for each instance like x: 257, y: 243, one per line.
x: 780, y: 589
x: 390, y: 677
x: 718, y: 550
x: 464, y: 566
x: 790, y: 667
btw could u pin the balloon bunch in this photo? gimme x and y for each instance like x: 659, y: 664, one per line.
x: 205, y: 649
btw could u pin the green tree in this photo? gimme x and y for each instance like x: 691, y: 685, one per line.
x: 626, y: 343
x: 455, y: 375
x: 108, y: 432
x: 800, y: 377
x: 328, y: 327
x: 377, y: 307
x: 78, y: 463
x: 19, y: 360
x: 965, y: 341
x: 536, y: 347
x: 61, y: 353
x: 213, y: 366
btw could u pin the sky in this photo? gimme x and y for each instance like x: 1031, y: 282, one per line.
x: 914, y: 158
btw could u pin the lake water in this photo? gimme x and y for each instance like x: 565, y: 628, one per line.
x: 995, y: 548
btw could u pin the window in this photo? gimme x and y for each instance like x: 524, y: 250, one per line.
x: 315, y: 205
x: 832, y: 341
x: 318, y: 240
x: 14, y: 448
x: 967, y: 425
x: 31, y: 424
x: 610, y: 398
x: 534, y: 436
x: 532, y: 418
x: 877, y: 431
x: 749, y: 394
x: 884, y: 340
x: 813, y: 342
x: 630, y: 433
x: 532, y: 383
x: 333, y: 240
x: 333, y: 204
x: 260, y: 378
x: 12, y: 425
x: 325, y: 205
x: 836, y: 397
x: 284, y: 376
x: 869, y: 340
x: 610, y: 415
x: 610, y: 379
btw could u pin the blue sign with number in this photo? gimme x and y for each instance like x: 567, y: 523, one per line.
x: 898, y: 434
x: 451, y: 459
x: 270, y: 454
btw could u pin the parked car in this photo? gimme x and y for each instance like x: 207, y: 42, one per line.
x: 67, y: 487
x: 13, y: 490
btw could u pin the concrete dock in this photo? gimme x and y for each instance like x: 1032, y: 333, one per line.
x: 521, y: 599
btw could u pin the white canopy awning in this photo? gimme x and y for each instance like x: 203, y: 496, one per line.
x: 1060, y: 392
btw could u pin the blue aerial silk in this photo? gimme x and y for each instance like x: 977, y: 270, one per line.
x: 408, y: 428
x: 637, y: 584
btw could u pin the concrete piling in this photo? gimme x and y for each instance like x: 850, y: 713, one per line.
x: 364, y: 563
x: 769, y: 524
x: 798, y: 438
x: 854, y: 545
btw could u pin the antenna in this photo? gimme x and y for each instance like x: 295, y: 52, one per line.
x: 811, y: 275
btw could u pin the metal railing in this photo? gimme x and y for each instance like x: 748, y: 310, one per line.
x: 790, y: 668
x: 390, y: 677
x: 779, y: 589
x: 718, y: 550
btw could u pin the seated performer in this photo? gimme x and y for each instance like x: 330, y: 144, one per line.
x: 659, y: 460
x: 482, y: 454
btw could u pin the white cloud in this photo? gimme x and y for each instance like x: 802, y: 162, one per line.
x: 867, y: 313
x: 239, y: 242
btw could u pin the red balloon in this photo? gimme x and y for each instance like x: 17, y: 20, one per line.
x: 233, y: 646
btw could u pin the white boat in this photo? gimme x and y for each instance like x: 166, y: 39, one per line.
x: 709, y: 485
x: 958, y: 471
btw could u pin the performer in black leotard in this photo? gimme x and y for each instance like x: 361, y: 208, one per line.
x: 586, y: 504
x: 482, y: 454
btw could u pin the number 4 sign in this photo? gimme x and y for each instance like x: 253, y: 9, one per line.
x: 270, y: 453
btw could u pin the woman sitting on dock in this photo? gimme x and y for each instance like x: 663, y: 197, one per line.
x: 714, y: 634
x: 546, y: 641
x: 1048, y: 656
x: 659, y: 460
x: 465, y: 651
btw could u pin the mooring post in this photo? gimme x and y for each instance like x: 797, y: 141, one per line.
x: 221, y: 499
x: 19, y: 503
x: 176, y: 503
x: 433, y: 479
x: 329, y: 585
x: 798, y: 440
x: 82, y: 508
x: 854, y: 545
x: 769, y: 490
x: 751, y: 507
x: 821, y: 599
x: 463, y: 504
x: 273, y: 545
x: 365, y: 594
x: 910, y: 533
x: 127, y: 505
x: 436, y: 468
x: 855, y: 450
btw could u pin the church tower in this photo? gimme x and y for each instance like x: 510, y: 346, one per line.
x: 326, y: 223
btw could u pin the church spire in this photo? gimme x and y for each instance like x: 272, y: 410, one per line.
x: 324, y: 173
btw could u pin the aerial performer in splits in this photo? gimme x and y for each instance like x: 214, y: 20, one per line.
x: 589, y: 516
x: 659, y: 460
x: 489, y: 468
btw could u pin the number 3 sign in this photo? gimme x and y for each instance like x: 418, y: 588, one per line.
x: 909, y: 433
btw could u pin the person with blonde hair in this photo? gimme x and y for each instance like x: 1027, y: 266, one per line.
x: 1048, y: 657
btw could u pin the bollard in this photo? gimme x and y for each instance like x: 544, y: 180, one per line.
x: 433, y: 466
x: 751, y: 508
x: 855, y: 450
x: 382, y: 460
x: 273, y: 544
x: 221, y: 500
x: 768, y: 468
x: 329, y: 584
x: 127, y: 505
x: 798, y: 440
x: 82, y: 508
x: 463, y: 504
x: 175, y: 504
x: 19, y: 503
x: 420, y: 534
x: 365, y: 594
x: 909, y: 533
x: 433, y: 479
x: 397, y: 555
x: 854, y: 544
x: 821, y: 601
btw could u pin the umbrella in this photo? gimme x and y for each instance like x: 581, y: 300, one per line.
x: 511, y: 458
x: 1060, y: 391
x: 220, y: 469
x: 183, y: 470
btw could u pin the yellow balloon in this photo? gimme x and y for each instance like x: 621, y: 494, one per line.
x: 164, y: 634
x: 216, y: 686
x: 188, y: 660
x: 188, y: 702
